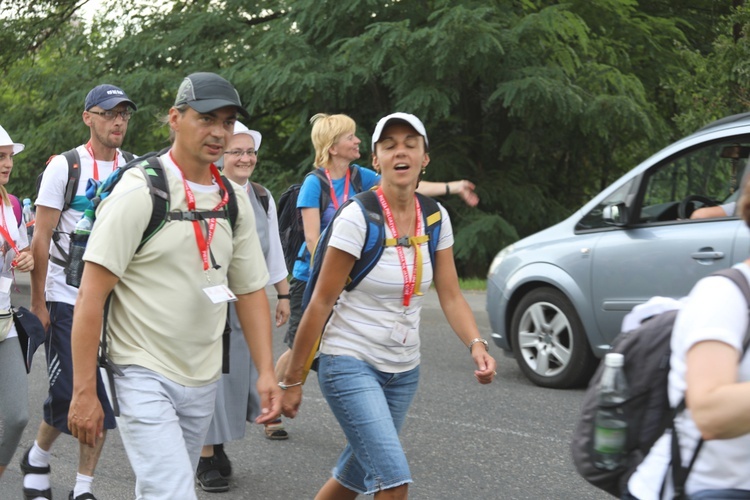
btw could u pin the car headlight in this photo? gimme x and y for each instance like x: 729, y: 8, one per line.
x: 499, y: 259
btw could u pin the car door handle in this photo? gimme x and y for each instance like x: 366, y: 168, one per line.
x: 704, y: 255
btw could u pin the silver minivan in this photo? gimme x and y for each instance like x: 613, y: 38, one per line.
x: 556, y: 299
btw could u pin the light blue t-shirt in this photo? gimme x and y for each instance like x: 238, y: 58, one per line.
x: 309, y: 197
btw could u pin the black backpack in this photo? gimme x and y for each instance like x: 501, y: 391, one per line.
x: 291, y: 231
x: 646, y: 350
x: 71, y: 187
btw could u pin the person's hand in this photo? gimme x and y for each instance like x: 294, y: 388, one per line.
x: 283, y: 310
x: 270, y: 398
x: 86, y: 418
x: 41, y: 312
x: 292, y: 401
x: 486, y: 365
x: 465, y: 190
x: 24, y: 262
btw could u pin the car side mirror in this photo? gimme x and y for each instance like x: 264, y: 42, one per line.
x: 615, y: 214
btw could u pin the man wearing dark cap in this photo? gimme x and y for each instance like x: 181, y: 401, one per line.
x: 169, y: 299
x: 107, y: 111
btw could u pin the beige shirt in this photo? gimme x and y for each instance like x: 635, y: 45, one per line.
x: 160, y: 317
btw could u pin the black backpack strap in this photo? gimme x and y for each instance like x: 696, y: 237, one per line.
x: 355, y: 178
x: 261, y: 195
x: 156, y: 181
x: 679, y: 472
x: 231, y: 207
x: 74, y: 176
x: 127, y: 156
x: 71, y: 187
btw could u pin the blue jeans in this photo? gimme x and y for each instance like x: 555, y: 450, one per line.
x: 370, y: 407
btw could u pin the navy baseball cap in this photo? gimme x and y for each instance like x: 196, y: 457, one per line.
x: 107, y: 97
x: 206, y: 92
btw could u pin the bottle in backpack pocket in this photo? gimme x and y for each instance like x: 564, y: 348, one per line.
x: 78, y: 241
x: 28, y: 217
x: 610, y: 425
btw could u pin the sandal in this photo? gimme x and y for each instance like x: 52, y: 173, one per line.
x: 275, y: 430
x: 82, y: 496
x: 208, y: 476
x: 26, y: 468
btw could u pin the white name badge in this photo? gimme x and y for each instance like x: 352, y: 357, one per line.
x: 400, y: 333
x: 219, y: 294
x: 5, y: 284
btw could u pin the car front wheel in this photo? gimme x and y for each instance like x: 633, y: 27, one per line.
x: 549, y: 342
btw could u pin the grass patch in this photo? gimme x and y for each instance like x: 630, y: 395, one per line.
x: 472, y: 284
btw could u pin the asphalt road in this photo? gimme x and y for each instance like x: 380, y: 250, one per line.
x: 508, y: 440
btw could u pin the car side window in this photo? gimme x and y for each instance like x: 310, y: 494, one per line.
x: 702, y: 177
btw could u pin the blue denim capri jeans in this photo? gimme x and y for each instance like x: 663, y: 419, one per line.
x: 370, y: 407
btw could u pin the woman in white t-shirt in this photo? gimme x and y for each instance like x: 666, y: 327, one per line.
x: 707, y: 367
x: 14, y: 405
x: 368, y: 367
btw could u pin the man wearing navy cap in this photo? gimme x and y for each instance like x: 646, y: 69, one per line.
x: 107, y: 111
x: 169, y: 299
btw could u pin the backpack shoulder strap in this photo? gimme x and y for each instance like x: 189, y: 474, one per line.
x: 355, y: 177
x: 232, y: 209
x: 156, y: 181
x: 261, y: 195
x: 128, y: 156
x: 325, y: 188
x: 374, y: 243
x: 433, y: 221
x: 74, y: 176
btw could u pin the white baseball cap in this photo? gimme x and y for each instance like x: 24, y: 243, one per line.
x: 239, y: 128
x: 412, y: 120
x: 5, y: 140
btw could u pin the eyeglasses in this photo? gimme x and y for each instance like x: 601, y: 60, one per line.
x: 110, y: 115
x: 239, y: 153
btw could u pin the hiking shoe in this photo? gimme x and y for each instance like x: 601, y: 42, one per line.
x: 208, y: 476
x: 222, y: 462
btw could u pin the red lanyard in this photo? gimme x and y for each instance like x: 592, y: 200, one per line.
x: 346, y: 187
x: 204, y: 243
x: 409, y: 282
x: 96, y: 167
x: 4, y: 230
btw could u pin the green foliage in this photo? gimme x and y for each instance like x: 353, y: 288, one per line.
x: 540, y: 103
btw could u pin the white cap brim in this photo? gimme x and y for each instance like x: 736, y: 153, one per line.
x: 412, y: 120
x: 5, y: 140
x: 240, y: 128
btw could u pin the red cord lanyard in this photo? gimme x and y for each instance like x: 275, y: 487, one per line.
x: 410, y: 283
x: 4, y: 230
x: 346, y: 187
x: 204, y: 243
x: 96, y: 167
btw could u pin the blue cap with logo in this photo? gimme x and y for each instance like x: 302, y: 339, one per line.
x: 107, y: 97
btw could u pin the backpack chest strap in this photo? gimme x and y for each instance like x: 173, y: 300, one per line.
x: 415, y: 241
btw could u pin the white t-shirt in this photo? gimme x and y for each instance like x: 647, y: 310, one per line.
x: 160, y: 316
x: 715, y: 310
x: 8, y: 255
x: 52, y: 195
x: 364, y: 321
